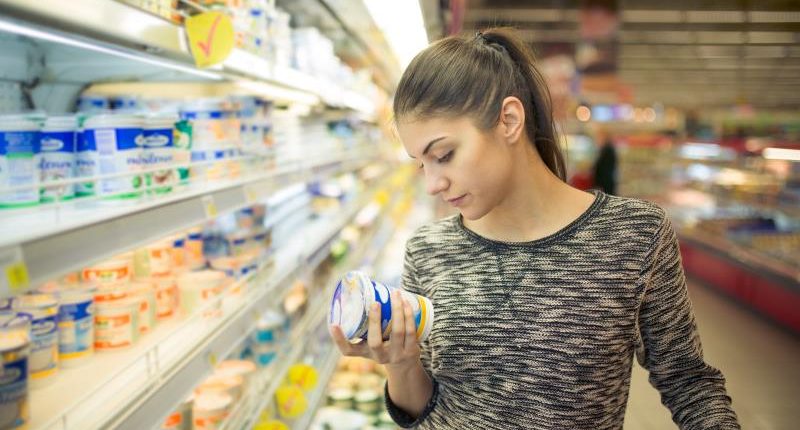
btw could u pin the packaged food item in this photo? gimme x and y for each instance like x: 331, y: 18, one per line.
x: 85, y: 161
x: 58, y: 154
x: 75, y: 322
x: 153, y: 260
x: 199, y: 288
x: 183, y: 149
x: 115, y: 142
x: 178, y: 252
x: 166, y: 296
x: 194, y: 249
x: 14, y: 356
x: 116, y: 324
x: 266, y: 337
x: 159, y: 151
x: 245, y: 369
x: 20, y: 148
x: 210, y: 409
x: 116, y: 271
x: 181, y: 418
x: 43, y: 360
x: 232, y: 385
x: 355, y: 294
x: 145, y: 292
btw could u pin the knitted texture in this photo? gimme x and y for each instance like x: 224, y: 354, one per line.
x: 542, y: 334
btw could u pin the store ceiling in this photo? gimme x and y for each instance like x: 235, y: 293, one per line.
x: 679, y: 52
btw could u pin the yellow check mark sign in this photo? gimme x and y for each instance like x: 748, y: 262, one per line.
x: 210, y: 37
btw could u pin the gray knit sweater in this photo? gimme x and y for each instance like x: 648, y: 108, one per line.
x: 542, y: 334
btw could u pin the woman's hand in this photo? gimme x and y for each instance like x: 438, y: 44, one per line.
x: 400, y: 351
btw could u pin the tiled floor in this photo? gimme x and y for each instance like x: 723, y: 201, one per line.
x: 760, y: 362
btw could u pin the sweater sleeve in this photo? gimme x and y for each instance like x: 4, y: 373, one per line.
x: 402, y: 418
x: 669, y: 344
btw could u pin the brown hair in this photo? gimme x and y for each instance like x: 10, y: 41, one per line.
x: 471, y: 76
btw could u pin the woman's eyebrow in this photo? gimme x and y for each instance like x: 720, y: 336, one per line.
x: 430, y: 145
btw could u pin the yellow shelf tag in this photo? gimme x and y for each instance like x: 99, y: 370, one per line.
x: 250, y: 194
x: 210, y: 37
x: 210, y: 207
x: 14, y: 276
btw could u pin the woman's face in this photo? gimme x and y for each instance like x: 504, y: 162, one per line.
x: 470, y: 169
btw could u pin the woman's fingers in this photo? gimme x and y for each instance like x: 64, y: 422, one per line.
x: 397, y: 338
x: 375, y: 334
x: 410, y: 326
x: 347, y: 348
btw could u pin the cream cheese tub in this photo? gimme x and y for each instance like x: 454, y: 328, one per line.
x: 210, y: 410
x: 159, y: 151
x: 181, y: 418
x: 14, y: 353
x: 57, y: 159
x: 243, y: 368
x: 115, y: 142
x: 116, y: 324
x: 232, y: 385
x: 43, y: 310
x: 145, y: 293
x: 153, y: 260
x: 75, y: 322
x: 166, y: 296
x: 118, y: 270
x: 355, y: 294
x: 20, y: 147
x: 199, y: 288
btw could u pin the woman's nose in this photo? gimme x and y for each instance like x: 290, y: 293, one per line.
x: 435, y: 184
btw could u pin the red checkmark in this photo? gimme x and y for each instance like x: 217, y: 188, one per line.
x: 206, y: 46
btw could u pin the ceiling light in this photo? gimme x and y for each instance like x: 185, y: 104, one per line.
x: 402, y: 25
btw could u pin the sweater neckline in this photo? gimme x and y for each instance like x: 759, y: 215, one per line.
x: 569, y: 229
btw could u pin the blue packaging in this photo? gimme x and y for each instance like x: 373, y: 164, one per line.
x: 20, y: 148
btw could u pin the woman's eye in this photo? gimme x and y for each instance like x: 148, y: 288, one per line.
x: 446, y: 157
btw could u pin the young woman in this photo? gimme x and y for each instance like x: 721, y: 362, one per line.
x: 543, y: 293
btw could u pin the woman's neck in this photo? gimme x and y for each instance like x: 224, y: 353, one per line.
x: 537, y: 205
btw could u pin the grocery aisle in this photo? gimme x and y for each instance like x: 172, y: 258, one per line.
x: 759, y: 360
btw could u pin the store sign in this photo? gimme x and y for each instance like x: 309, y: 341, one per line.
x: 210, y: 37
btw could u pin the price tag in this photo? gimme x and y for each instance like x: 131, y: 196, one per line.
x: 210, y: 207
x: 13, y: 271
x: 250, y: 194
x: 210, y: 37
x: 212, y: 359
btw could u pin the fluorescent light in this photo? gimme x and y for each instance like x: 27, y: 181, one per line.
x: 781, y: 154
x: 23, y: 30
x: 402, y: 25
x: 271, y: 91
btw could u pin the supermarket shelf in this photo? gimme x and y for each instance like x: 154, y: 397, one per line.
x: 315, y: 400
x: 48, y: 239
x: 143, y: 383
x: 149, y: 39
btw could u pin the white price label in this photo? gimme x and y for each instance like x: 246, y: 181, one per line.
x: 13, y: 271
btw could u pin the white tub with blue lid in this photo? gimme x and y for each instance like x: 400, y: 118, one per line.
x: 116, y: 142
x: 14, y: 354
x: 58, y: 156
x: 20, y: 148
x: 43, y: 309
x: 159, y: 151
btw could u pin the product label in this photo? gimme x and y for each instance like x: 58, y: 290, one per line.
x: 158, y: 151
x: 75, y: 329
x: 85, y: 163
x: 166, y: 301
x: 115, y: 331
x: 57, y: 162
x: 14, y: 393
x: 19, y: 155
x: 44, y: 345
x: 107, y: 275
x: 119, y: 152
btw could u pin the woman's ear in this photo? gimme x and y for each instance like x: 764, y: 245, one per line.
x: 512, y: 119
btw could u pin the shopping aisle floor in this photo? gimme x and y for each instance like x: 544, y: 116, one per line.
x: 760, y: 361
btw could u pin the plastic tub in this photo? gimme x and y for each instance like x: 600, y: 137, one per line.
x: 198, y: 288
x: 232, y: 385
x: 43, y: 310
x: 111, y: 272
x: 75, y: 322
x: 181, y: 418
x: 166, y: 296
x: 14, y: 356
x: 159, y: 151
x: 153, y: 260
x: 243, y: 368
x: 210, y: 410
x: 145, y: 293
x: 57, y: 159
x: 116, y: 324
x: 355, y: 294
x: 117, y: 142
x: 20, y: 147
x: 194, y: 249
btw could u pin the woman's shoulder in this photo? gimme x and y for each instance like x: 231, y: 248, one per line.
x: 435, y: 234
x: 628, y: 212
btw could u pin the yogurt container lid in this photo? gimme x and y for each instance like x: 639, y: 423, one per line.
x: 212, y: 401
x: 113, y: 120
x: 66, y: 123
x: 19, y: 122
x: 235, y: 367
x: 35, y: 301
x: 69, y: 293
x: 349, y: 303
x: 115, y: 263
x: 270, y: 320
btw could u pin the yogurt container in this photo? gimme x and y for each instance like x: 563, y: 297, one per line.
x: 153, y: 260
x: 178, y: 251
x: 355, y: 294
x: 210, y: 410
x: 166, y: 296
x: 20, y: 148
x: 159, y: 151
x: 232, y: 385
x: 116, y: 324
x: 43, y: 310
x: 194, y: 249
x: 116, y: 271
x: 14, y: 356
x: 145, y: 293
x: 57, y: 159
x: 181, y: 418
x: 116, y: 141
x: 198, y: 288
x: 243, y: 368
x: 75, y: 323
x: 85, y: 162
